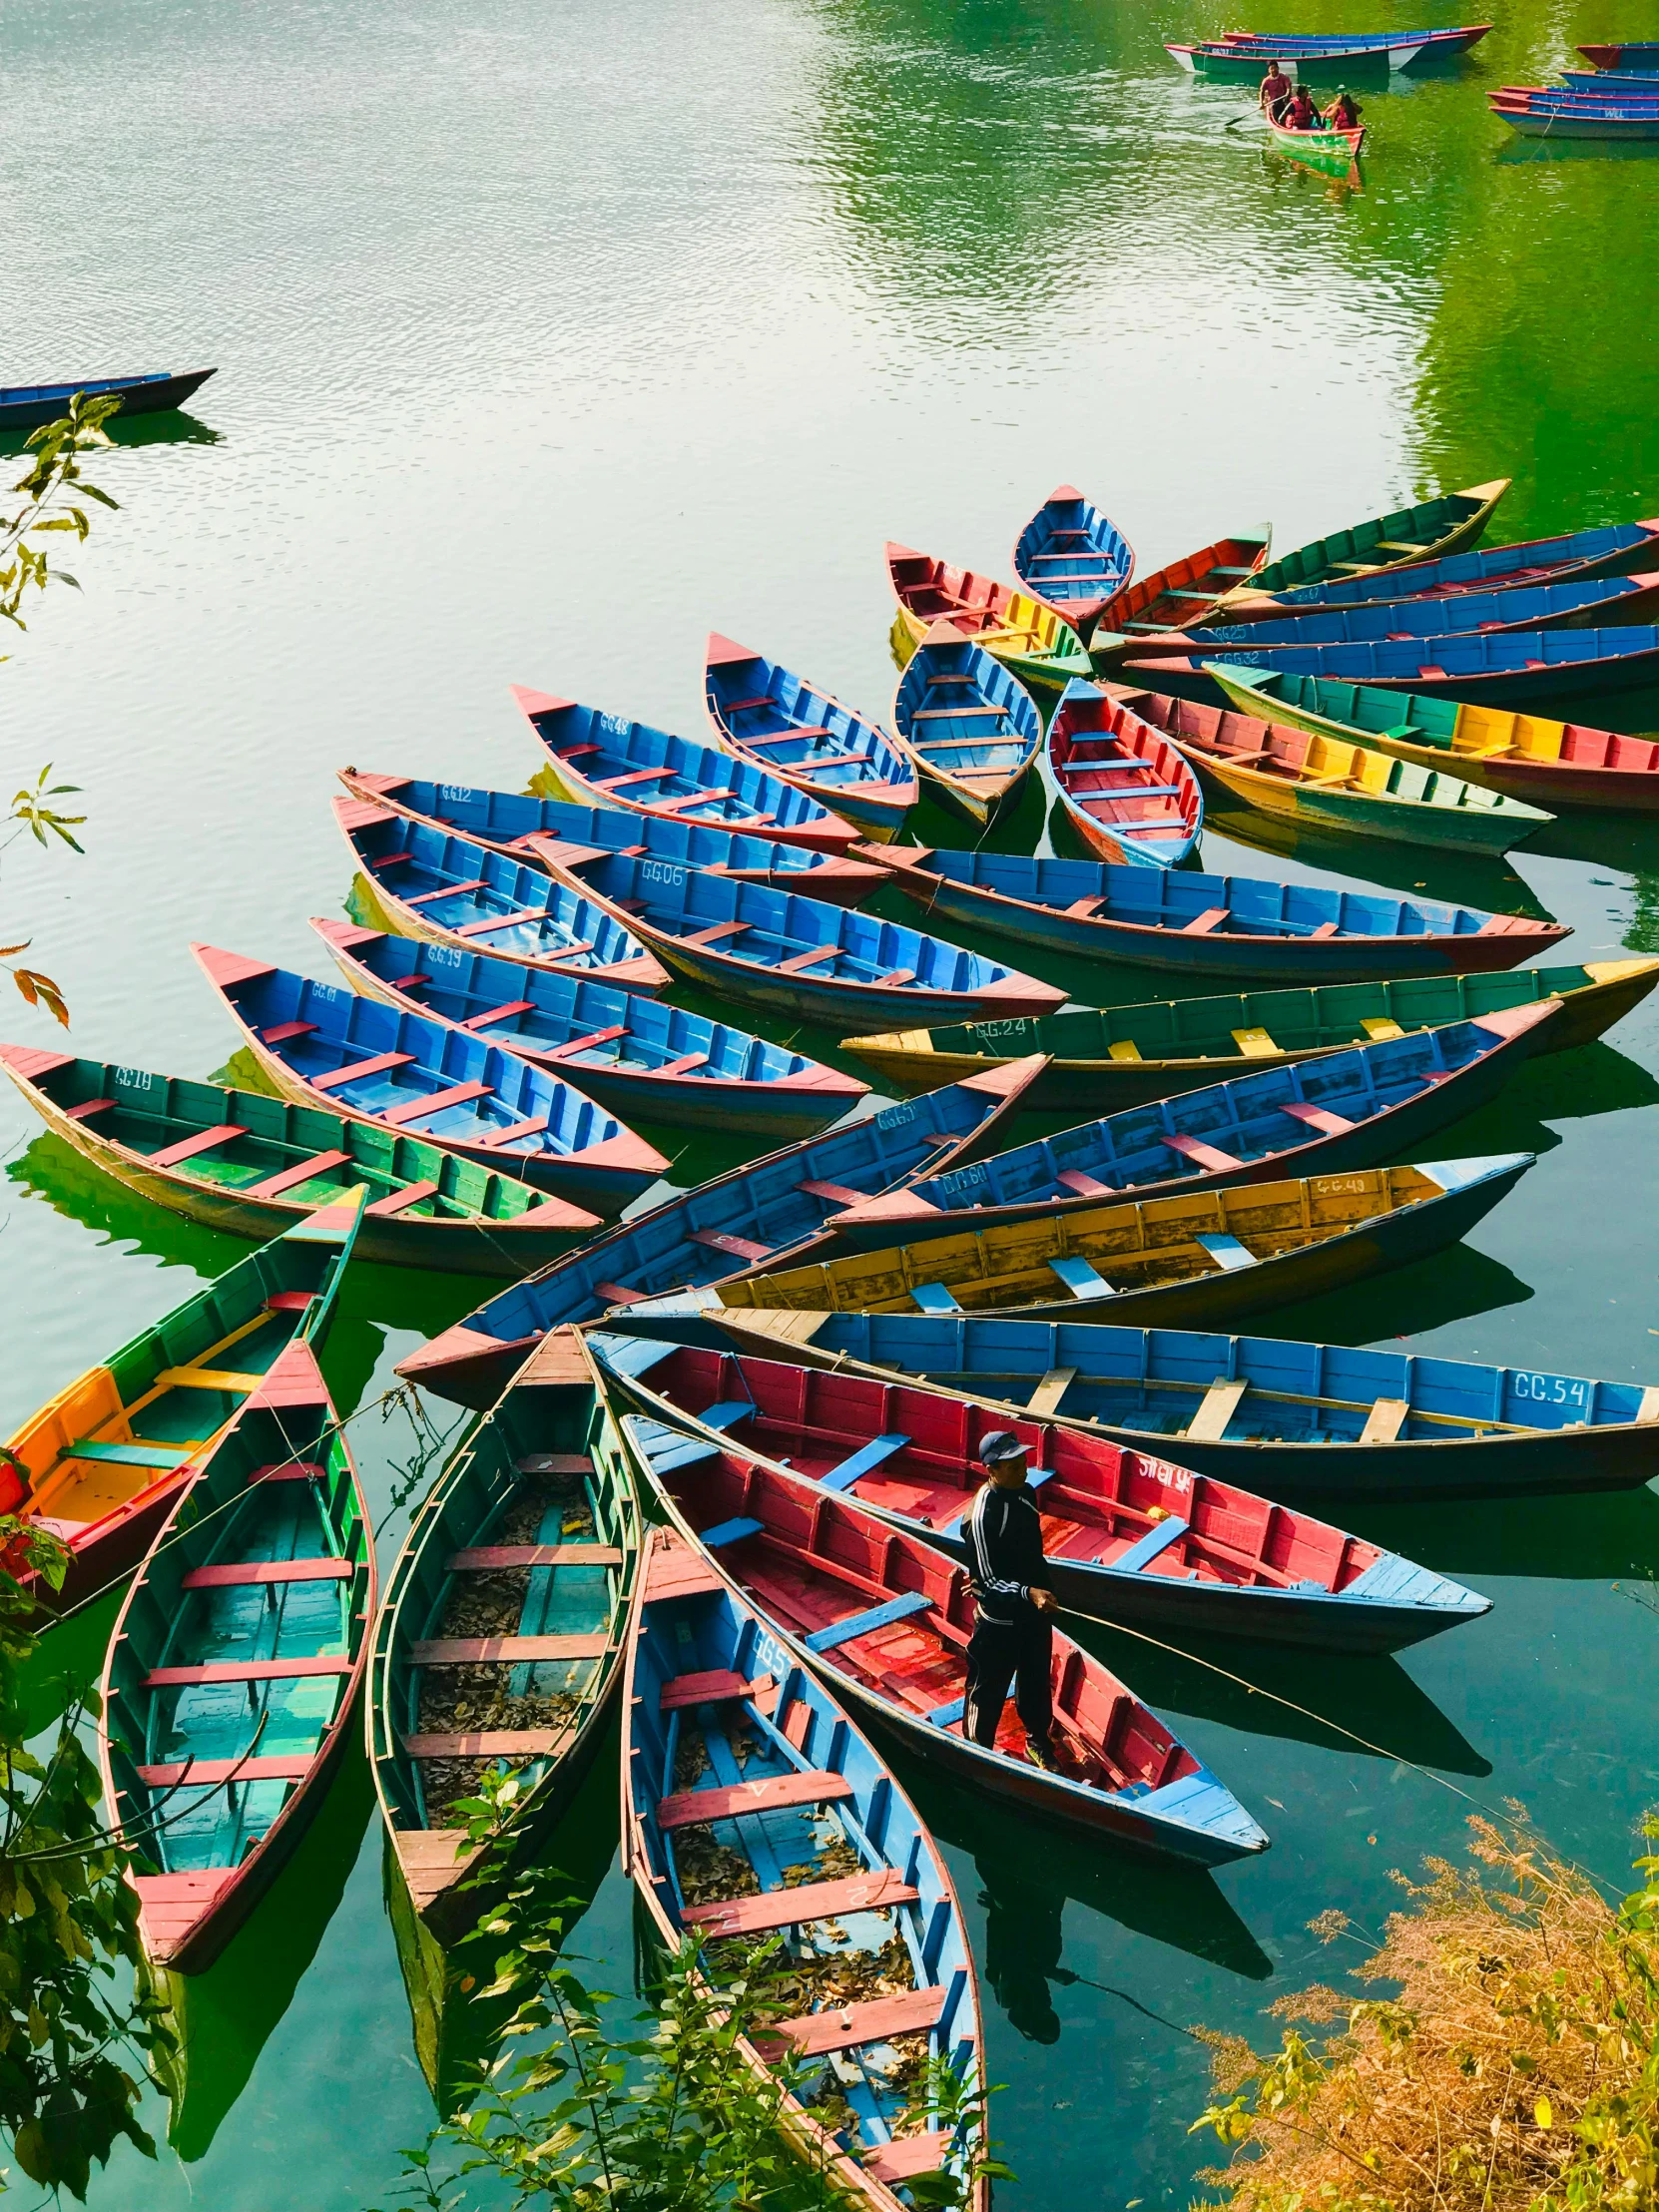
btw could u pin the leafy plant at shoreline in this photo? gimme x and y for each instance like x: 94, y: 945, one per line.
x: 68, y: 1925
x: 1516, y: 2070
x: 54, y: 494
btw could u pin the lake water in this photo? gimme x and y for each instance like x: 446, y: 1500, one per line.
x: 551, y: 336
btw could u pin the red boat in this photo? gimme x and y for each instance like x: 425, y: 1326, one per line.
x: 1186, y: 591
x: 1127, y: 791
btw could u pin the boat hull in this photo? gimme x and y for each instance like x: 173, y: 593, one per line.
x: 154, y: 396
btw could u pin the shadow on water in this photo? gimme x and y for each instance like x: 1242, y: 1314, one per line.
x: 169, y: 428
x: 1459, y: 879
x: 68, y: 1662
x: 1600, y: 1537
x: 1373, y: 1699
x: 1025, y: 1894
x: 372, y: 1299
x: 1451, y: 1287
x: 225, y: 2017
x: 457, y: 2032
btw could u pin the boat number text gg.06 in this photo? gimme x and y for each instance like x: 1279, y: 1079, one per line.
x: 1548, y: 1390
x: 134, y: 1079
x: 660, y: 871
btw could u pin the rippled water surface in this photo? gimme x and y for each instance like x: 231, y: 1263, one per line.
x: 551, y: 336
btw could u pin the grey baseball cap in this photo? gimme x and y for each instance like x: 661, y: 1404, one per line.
x: 1000, y: 1446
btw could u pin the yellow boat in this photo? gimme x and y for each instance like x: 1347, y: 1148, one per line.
x: 1029, y: 638
x: 1328, y: 781
x: 1101, y: 1059
x: 1189, y: 1260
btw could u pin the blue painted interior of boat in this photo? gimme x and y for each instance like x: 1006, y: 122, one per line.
x: 961, y: 712
x: 1434, y: 618
x: 1467, y: 572
x: 760, y: 704
x: 1070, y: 551
x: 1519, y: 651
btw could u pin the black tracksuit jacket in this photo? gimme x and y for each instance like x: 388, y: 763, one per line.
x: 1004, y: 1537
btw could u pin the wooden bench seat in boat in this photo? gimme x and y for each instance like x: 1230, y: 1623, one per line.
x: 491, y: 1558
x: 381, y: 1063
x: 303, y: 1171
x: 238, y: 1574
x: 243, y: 1670
x: 814, y: 1901
x: 463, y: 1651
x: 840, y: 2026
x: 489, y: 1743
x: 435, y: 1102
x: 694, y: 1807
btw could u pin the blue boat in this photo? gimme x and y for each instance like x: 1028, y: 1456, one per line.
x: 1616, y: 84
x: 1532, y: 117
x: 971, y: 723
x: 325, y: 1046
x: 778, y: 720
x: 532, y: 830
x: 1616, y: 549
x: 1284, y: 1418
x: 788, y: 1786
x: 756, y: 946
x: 1073, y: 559
x: 1130, y: 1537
x: 1213, y: 924
x: 444, y: 890
x: 1509, y: 669
x: 27, y: 407
x: 1351, y: 1109
x: 1600, y: 602
x: 1633, y: 54
x: 637, y: 1057
x: 767, y: 1207
x: 598, y: 759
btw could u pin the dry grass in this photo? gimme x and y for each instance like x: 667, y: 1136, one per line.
x: 1516, y: 2070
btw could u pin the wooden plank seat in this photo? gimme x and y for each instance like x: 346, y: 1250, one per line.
x: 466, y: 1651
x: 712, y: 1687
x: 303, y: 1171
x: 399, y: 1202
x: 683, y: 1066
x: 1325, y: 929
x: 960, y: 713
x: 489, y: 1743
x: 676, y: 800
x: 1083, y: 1281
x: 696, y: 1808
x: 906, y: 2156
x: 1046, y: 1397
x: 1212, y: 917
x: 841, y: 2026
x: 390, y: 860
x: 810, y: 958
x: 518, y: 917
x: 620, y: 783
x: 1084, y: 1186
x: 86, y: 1108
x: 492, y: 1015
x: 1380, y: 1028
x: 243, y: 1670
x: 554, y: 1463
x: 489, y: 1558
x: 1386, y: 1420
x: 618, y: 1293
x: 492, y: 1140
x: 206, y: 1379
x: 205, y: 1140
x: 897, y: 975
x: 866, y: 1623
x: 767, y: 737
x: 448, y: 890
x: 1256, y: 1044
x: 1226, y: 1251
x: 714, y: 935
x: 835, y: 1194
x: 1202, y: 1155
x: 741, y: 1247
x: 435, y: 1102
x: 132, y: 1454
x: 238, y: 1574
x: 285, y: 1032
x: 1147, y: 1547
x: 863, y: 1461
x: 1316, y: 1117
x: 1125, y: 1049
x: 594, y: 1038
x: 381, y: 1063
x: 214, y: 1773
x: 1216, y: 1409
x: 875, y: 1891
x: 1085, y: 909
x: 289, y: 1471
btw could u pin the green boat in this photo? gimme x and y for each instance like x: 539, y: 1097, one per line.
x: 501, y: 1638
x: 1429, y: 532
x: 1111, y: 1057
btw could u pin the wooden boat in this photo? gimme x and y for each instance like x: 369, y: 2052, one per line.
x: 1333, y: 784
x: 971, y: 727
x: 1029, y: 640
x: 756, y: 946
x: 1600, y: 602
x: 327, y: 1047
x: 635, y: 1056
x: 256, y: 1166
x: 1286, y: 1419
x: 1429, y: 532
x: 1073, y: 559
x: 751, y: 1803
x: 1331, y: 149
x: 532, y: 1535
x: 444, y: 890
x: 1126, y: 791
x: 1559, y: 764
x: 1119, y: 1056
x: 886, y: 1619
x: 1635, y: 54
x: 1129, y: 1537
x: 1614, y: 549
x: 774, y: 1205
x: 1218, y: 61
x: 1202, y: 1256
x: 1504, y: 670
x: 1243, y: 54
x: 774, y: 719
x: 103, y: 1462
x: 235, y: 1664
x: 1532, y: 118
x: 1614, y: 84
x: 598, y: 759
x: 27, y: 407
x: 1457, y: 40
x: 1351, y: 1109
x: 1176, y: 597
x: 1213, y: 924
x: 523, y: 826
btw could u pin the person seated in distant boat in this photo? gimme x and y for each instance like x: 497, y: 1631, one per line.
x: 1013, y: 1638
x: 1342, y: 113
x: 1276, y: 92
x: 1300, y: 115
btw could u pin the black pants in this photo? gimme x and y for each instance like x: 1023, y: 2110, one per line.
x: 1018, y: 1652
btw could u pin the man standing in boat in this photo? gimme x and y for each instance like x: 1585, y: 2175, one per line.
x: 1013, y: 1636
x: 1277, y: 92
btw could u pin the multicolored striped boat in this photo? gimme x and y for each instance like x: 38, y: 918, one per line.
x: 1029, y: 638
